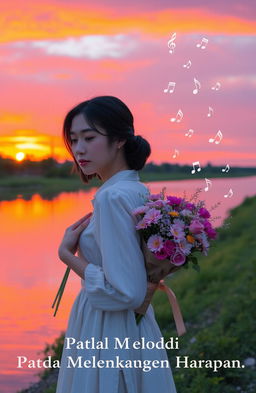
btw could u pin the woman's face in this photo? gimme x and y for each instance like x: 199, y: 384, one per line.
x: 87, y: 144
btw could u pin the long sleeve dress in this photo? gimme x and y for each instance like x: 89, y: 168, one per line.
x: 114, y: 285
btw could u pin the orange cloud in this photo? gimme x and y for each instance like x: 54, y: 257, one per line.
x: 37, y: 21
x: 14, y: 118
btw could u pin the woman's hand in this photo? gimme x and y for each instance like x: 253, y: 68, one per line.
x: 70, y: 240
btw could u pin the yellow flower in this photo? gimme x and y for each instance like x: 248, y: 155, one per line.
x: 190, y: 239
x: 174, y: 214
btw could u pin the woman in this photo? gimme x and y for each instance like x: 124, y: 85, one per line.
x: 99, y: 354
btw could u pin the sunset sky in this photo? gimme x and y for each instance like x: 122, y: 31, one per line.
x: 55, y: 54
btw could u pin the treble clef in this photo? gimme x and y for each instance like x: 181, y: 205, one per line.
x: 171, y: 43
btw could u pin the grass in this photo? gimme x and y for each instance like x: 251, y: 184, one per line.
x: 218, y: 307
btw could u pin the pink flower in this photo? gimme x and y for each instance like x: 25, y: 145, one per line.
x: 154, y: 197
x: 196, y: 227
x: 169, y: 247
x: 204, y: 213
x: 158, y: 203
x: 141, y: 224
x: 140, y: 210
x: 162, y: 254
x: 155, y: 243
x: 178, y: 258
x: 152, y: 216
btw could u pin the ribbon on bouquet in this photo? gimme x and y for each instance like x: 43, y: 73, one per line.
x: 180, y: 327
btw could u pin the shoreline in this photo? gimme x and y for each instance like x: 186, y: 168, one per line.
x: 14, y: 187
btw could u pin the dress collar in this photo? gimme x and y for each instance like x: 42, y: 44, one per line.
x: 127, y: 174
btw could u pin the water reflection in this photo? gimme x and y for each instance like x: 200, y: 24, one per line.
x: 31, y: 271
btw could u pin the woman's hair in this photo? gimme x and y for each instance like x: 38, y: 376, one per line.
x: 116, y: 119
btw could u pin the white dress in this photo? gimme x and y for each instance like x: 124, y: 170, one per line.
x: 114, y: 285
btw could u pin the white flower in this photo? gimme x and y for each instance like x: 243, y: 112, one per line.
x: 186, y: 213
x: 185, y: 247
x: 155, y: 243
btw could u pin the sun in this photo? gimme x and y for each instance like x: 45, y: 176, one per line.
x: 20, y: 156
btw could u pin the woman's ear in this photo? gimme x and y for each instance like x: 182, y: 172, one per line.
x: 121, y: 143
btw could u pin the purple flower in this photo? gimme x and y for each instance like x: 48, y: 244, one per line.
x: 212, y: 234
x: 204, y: 213
x: 179, y: 222
x: 207, y: 225
x: 178, y: 258
x: 185, y: 247
x: 189, y: 206
x: 196, y: 227
x: 202, y: 238
x: 173, y: 200
x: 176, y: 230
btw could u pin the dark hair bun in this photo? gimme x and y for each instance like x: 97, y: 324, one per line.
x: 136, y: 150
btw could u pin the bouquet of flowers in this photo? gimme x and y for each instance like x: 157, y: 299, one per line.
x: 171, y: 230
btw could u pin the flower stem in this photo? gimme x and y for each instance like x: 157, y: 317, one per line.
x: 138, y: 317
x: 61, y: 290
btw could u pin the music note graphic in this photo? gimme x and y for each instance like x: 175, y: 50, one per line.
x: 195, y: 164
x: 217, y: 139
x: 189, y: 133
x: 170, y: 87
x: 178, y: 117
x: 171, y: 43
x: 176, y: 152
x: 208, y: 183
x: 187, y: 65
x: 217, y: 86
x: 226, y: 169
x: 210, y: 113
x: 229, y: 194
x: 198, y: 86
x: 203, y: 43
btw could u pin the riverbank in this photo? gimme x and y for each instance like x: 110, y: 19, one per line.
x: 25, y: 186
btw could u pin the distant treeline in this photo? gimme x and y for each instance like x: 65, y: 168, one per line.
x: 52, y: 168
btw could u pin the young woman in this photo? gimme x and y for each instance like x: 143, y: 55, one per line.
x: 105, y: 351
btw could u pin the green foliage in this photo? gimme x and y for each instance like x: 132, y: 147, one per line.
x: 55, y: 351
x: 218, y: 307
x: 51, y: 389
